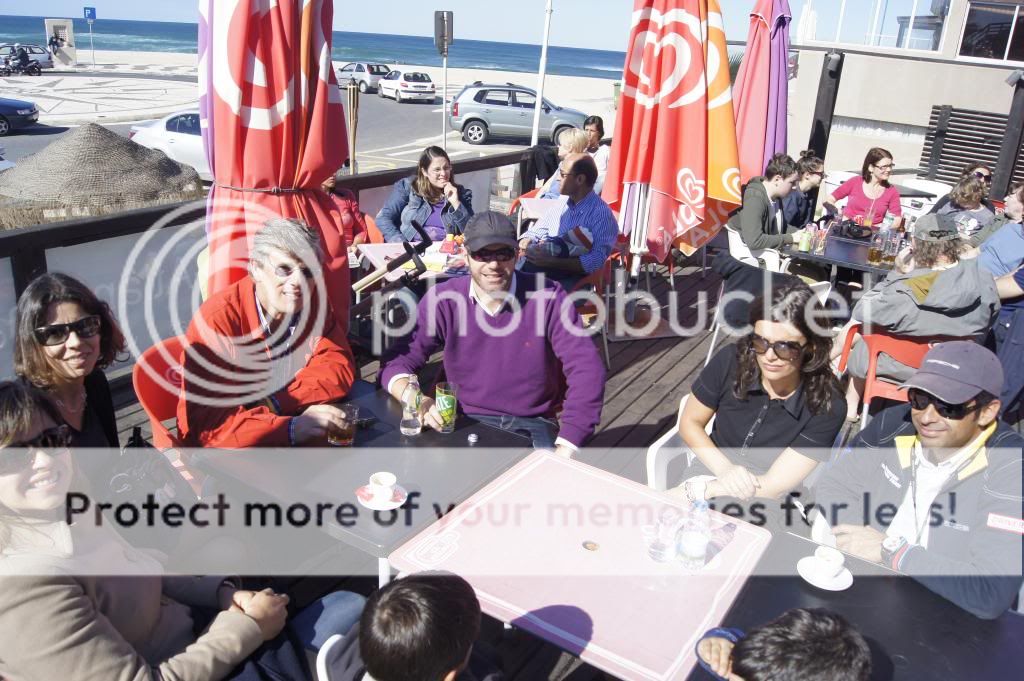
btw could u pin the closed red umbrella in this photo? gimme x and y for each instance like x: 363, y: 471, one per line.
x: 673, y: 172
x: 274, y: 130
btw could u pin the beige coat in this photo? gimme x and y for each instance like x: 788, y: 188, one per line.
x: 54, y: 625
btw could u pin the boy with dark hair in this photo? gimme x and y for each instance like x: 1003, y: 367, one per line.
x: 799, y: 645
x: 419, y: 628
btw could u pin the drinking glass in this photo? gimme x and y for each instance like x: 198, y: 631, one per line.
x: 346, y: 434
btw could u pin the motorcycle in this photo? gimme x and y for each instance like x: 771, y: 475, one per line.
x: 12, y: 68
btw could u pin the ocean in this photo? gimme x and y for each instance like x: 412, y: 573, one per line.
x: 159, y: 36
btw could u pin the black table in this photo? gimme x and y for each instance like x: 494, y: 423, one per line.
x: 839, y: 252
x: 438, y: 470
x: 913, y: 633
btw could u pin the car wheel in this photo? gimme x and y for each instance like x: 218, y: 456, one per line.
x: 558, y: 132
x: 5, y: 127
x: 475, y: 132
x: 380, y: 92
x: 398, y: 96
x: 362, y: 87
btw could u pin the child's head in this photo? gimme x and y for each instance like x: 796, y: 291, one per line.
x: 420, y: 628
x: 803, y: 645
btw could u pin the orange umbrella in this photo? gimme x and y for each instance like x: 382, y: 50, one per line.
x: 274, y: 130
x: 673, y: 173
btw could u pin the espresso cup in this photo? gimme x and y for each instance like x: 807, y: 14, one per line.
x: 382, y: 486
x: 828, y: 561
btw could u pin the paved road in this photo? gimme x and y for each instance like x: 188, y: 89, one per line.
x: 389, y: 135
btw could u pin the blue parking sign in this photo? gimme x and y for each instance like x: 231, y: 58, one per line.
x: 90, y: 13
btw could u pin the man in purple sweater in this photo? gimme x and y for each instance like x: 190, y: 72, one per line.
x: 513, y: 345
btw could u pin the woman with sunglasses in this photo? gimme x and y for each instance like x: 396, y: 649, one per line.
x: 66, y: 338
x: 969, y: 206
x: 78, y: 601
x: 776, y: 405
x: 870, y: 195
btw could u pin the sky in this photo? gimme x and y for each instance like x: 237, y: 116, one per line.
x: 594, y: 24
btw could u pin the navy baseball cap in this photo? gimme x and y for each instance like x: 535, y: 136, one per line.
x: 957, y: 371
x: 490, y: 229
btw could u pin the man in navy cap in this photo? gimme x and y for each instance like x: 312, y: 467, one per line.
x: 939, y: 482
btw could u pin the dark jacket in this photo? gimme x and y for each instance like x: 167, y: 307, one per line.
x: 973, y: 556
x: 797, y: 209
x: 755, y: 220
x: 404, y: 206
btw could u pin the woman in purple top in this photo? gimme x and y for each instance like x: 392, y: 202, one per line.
x: 870, y: 195
x: 430, y: 199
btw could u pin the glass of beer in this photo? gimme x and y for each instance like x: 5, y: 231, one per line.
x: 446, y: 400
x: 876, y: 250
x: 346, y: 434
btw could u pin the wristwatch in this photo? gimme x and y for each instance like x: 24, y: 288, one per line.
x: 893, y: 549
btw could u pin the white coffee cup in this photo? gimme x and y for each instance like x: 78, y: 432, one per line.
x: 382, y: 486
x: 828, y: 561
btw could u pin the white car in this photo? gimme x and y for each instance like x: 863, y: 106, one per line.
x: 4, y: 164
x: 179, y: 136
x: 403, y: 86
x: 35, y: 53
x: 367, y: 74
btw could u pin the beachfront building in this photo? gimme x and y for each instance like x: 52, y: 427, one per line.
x: 903, y: 57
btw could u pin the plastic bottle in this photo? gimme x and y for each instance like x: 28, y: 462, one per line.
x: 411, y: 397
x: 694, y: 536
x: 662, y: 547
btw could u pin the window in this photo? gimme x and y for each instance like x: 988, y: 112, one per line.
x: 497, y: 98
x: 379, y: 69
x: 416, y: 77
x: 347, y: 68
x: 360, y: 68
x: 994, y: 31
x: 172, y: 123
x: 525, y: 100
x: 189, y: 124
x: 899, y: 24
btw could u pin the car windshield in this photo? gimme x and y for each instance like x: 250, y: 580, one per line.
x: 417, y: 78
x: 379, y: 69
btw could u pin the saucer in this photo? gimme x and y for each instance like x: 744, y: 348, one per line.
x: 366, y: 500
x: 841, y: 582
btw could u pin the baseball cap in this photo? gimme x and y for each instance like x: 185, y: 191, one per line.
x: 489, y: 229
x: 957, y: 371
x: 935, y: 227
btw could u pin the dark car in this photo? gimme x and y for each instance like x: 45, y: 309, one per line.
x: 16, y: 113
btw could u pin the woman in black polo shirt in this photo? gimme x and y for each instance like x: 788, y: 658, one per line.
x: 776, y: 404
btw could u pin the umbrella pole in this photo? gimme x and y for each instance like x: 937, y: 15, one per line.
x: 637, y: 243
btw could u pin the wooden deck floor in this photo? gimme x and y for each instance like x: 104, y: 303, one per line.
x: 642, y: 393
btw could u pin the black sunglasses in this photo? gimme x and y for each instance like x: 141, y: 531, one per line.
x: 18, y: 456
x: 285, y: 271
x: 919, y: 401
x: 787, y: 350
x: 55, y: 334
x: 495, y: 255
x: 984, y: 177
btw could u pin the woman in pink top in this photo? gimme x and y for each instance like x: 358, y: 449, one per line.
x: 870, y: 195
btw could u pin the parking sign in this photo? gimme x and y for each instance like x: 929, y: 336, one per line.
x: 90, y: 14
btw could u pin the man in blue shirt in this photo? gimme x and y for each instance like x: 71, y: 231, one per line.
x: 584, y: 209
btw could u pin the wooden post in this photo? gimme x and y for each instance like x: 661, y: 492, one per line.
x: 941, y: 128
x: 825, y: 106
x: 1010, y: 148
x: 26, y: 265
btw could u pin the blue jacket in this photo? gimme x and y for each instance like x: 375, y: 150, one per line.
x: 404, y: 205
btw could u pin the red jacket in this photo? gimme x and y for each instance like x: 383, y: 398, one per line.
x: 226, y: 329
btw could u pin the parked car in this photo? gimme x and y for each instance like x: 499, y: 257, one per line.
x: 481, y: 110
x: 4, y: 163
x: 367, y: 74
x: 35, y: 53
x: 16, y: 113
x: 179, y: 136
x: 406, y: 85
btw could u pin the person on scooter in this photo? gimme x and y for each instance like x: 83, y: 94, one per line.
x: 21, y: 55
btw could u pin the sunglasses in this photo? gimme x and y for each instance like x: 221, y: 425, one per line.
x: 984, y: 177
x: 55, y: 334
x: 919, y: 401
x: 786, y: 350
x: 494, y: 255
x: 888, y: 167
x: 18, y: 456
x: 285, y: 271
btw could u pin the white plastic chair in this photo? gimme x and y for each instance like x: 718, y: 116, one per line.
x: 768, y: 258
x: 666, y: 448
x: 326, y: 656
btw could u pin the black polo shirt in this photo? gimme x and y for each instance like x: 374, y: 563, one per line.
x: 753, y: 432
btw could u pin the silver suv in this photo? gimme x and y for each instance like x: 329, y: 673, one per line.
x: 366, y: 74
x: 506, y: 109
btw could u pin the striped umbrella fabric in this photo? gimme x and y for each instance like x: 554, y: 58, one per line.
x: 274, y: 130
x: 673, y: 173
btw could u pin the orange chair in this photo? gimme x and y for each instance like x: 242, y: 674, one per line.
x: 515, y: 204
x: 373, y: 233
x: 156, y: 372
x: 905, y: 350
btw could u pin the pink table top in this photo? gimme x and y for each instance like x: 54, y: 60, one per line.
x: 556, y: 547
x: 378, y: 256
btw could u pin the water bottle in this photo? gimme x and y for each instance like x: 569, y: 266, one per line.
x: 662, y: 547
x: 410, y: 424
x: 694, y: 536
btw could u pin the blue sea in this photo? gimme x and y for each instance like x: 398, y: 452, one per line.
x: 159, y: 36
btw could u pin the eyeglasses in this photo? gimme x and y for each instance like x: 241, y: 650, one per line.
x: 919, y: 401
x: 18, y: 456
x: 984, y: 177
x: 55, y: 334
x: 494, y: 255
x: 786, y: 350
x: 885, y: 167
x: 285, y: 271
